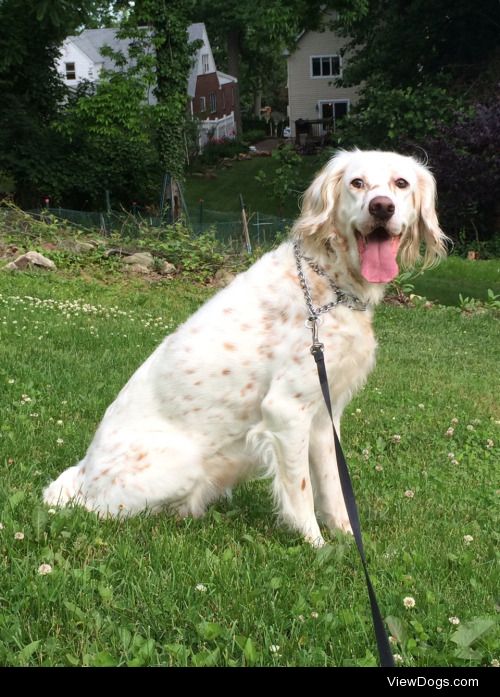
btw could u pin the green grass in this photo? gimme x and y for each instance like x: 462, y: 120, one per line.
x: 129, y: 593
x: 222, y: 193
x: 457, y: 275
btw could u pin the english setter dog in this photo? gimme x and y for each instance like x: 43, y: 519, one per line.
x: 234, y: 393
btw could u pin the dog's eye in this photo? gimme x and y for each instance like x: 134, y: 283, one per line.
x: 401, y: 183
x: 357, y: 183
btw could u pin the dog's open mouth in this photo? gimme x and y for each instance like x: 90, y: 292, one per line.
x: 377, y: 255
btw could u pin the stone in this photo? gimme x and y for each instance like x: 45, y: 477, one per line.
x: 76, y: 246
x: 141, y: 258
x: 168, y: 269
x: 32, y: 259
x: 223, y: 278
x: 137, y: 268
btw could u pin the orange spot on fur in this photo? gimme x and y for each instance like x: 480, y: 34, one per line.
x: 198, y: 382
x: 229, y: 347
x: 226, y: 371
x: 303, y: 484
x: 141, y: 456
x: 298, y: 395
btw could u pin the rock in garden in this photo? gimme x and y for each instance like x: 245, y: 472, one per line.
x: 30, y: 260
x: 76, y: 246
x: 168, y: 269
x: 223, y: 278
x: 141, y: 258
x: 137, y: 268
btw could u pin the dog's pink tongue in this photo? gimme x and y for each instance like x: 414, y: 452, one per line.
x: 378, y: 258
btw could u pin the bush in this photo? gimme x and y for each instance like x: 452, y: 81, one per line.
x: 385, y: 117
x: 465, y: 157
x: 218, y: 148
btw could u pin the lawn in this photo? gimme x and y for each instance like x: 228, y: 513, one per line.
x: 222, y: 193
x: 234, y: 588
x: 458, y: 276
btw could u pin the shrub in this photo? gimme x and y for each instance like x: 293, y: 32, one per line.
x: 218, y: 148
x: 465, y: 157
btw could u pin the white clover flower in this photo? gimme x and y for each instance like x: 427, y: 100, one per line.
x: 409, y: 494
x: 454, y: 421
x: 44, y: 569
x: 449, y: 432
x: 274, y: 648
x: 495, y: 663
x: 421, y: 406
x: 397, y: 658
x: 451, y: 456
x: 470, y: 427
x: 468, y: 539
x: 453, y: 620
x: 1, y: 526
x: 396, y: 438
x: 379, y: 468
x: 489, y: 444
x: 409, y: 602
x: 51, y: 511
x: 59, y: 441
x: 19, y: 535
x: 314, y: 615
x: 201, y: 588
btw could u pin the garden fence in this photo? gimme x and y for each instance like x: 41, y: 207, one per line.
x: 264, y: 229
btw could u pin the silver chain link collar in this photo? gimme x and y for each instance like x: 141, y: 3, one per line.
x: 341, y: 296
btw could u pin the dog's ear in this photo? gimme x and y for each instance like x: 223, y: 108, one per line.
x: 426, y: 228
x: 320, y: 199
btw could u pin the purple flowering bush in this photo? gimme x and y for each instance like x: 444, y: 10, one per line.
x: 465, y: 158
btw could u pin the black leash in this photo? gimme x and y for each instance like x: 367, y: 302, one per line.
x: 354, y: 303
x: 384, y: 650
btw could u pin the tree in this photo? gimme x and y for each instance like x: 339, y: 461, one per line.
x: 31, y: 34
x: 414, y: 42
x: 165, y: 27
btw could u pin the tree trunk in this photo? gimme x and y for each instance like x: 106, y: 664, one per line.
x: 257, y: 102
x: 233, y: 68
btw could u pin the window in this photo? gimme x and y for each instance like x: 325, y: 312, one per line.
x: 213, y: 102
x: 325, y: 66
x: 203, y: 104
x: 334, y: 110
x: 205, y: 65
x: 70, y: 71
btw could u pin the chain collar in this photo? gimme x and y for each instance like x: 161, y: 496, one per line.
x: 341, y: 296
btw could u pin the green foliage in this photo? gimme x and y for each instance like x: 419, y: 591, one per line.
x: 167, y: 32
x: 199, y: 257
x: 217, y: 149
x: 385, y: 116
x: 32, y: 91
x: 285, y: 177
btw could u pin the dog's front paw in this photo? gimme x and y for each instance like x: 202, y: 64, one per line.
x: 315, y: 542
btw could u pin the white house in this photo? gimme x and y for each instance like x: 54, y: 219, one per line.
x: 211, y: 92
x: 312, y: 67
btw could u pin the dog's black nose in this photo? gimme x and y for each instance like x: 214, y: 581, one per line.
x: 381, y: 207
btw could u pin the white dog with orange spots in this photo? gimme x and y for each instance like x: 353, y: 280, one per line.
x: 234, y: 392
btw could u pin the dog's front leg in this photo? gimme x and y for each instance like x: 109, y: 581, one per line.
x: 282, y: 440
x: 327, y: 490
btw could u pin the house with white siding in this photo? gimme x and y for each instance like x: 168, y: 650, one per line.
x: 313, y: 67
x: 210, y: 92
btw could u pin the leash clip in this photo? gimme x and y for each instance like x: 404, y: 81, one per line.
x: 313, y: 323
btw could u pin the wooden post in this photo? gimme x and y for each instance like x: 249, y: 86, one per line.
x: 244, y: 220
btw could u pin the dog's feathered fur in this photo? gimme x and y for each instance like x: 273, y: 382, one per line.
x: 234, y: 393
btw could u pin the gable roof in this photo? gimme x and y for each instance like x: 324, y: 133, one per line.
x: 91, y: 41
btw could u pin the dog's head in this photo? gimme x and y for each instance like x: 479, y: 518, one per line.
x: 379, y: 207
